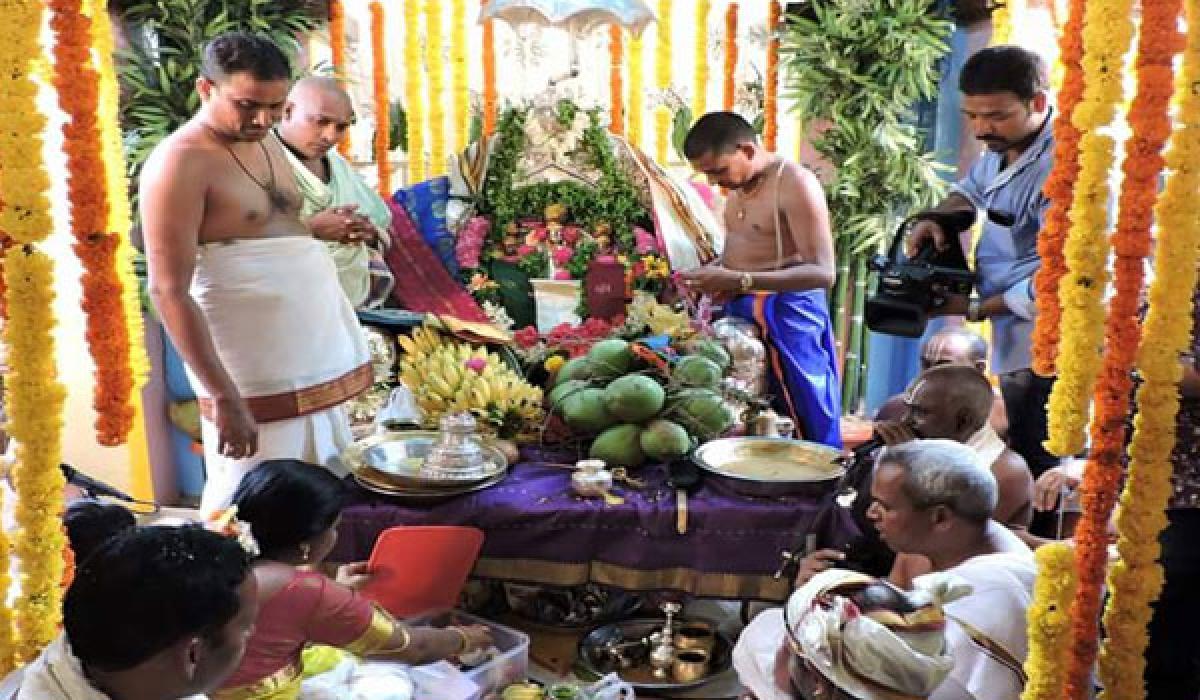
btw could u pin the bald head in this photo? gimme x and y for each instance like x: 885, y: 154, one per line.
x: 955, y: 346
x: 317, y: 114
x: 950, y: 401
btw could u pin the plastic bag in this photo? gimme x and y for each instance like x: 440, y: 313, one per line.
x: 610, y: 687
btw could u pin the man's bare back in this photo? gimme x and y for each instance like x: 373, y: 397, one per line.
x: 236, y: 203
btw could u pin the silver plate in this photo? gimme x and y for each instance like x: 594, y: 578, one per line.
x: 419, y: 495
x: 767, y: 465
x: 397, y: 458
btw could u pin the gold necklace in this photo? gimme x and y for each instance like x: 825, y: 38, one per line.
x: 750, y: 192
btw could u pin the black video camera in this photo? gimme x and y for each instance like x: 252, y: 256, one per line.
x: 908, y: 289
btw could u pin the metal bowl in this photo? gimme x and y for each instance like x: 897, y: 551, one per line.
x: 398, y: 459
x: 767, y: 466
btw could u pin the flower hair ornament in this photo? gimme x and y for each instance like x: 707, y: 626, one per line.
x: 225, y: 522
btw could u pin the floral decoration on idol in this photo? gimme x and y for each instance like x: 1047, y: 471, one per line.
x: 555, y: 230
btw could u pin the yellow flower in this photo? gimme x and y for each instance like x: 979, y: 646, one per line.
x: 636, y: 90
x: 434, y: 67
x: 414, y: 101
x: 554, y: 363
x: 459, y: 72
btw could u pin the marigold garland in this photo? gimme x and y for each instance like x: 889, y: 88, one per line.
x: 1002, y: 24
x: 616, y: 87
x: 1049, y: 622
x: 1106, y: 36
x: 635, y: 91
x: 662, y: 80
x: 413, y: 99
x: 461, y: 118
x: 489, y: 77
x: 700, y: 59
x: 1059, y: 189
x: 337, y: 50
x: 1107, y: 31
x: 119, y: 214
x: 434, y: 67
x: 383, y: 117
x: 106, y: 331
x: 1136, y: 580
x: 25, y: 216
x: 34, y: 400
x: 729, y: 93
x: 771, y: 80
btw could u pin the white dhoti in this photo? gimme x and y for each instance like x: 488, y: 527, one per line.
x: 292, y: 344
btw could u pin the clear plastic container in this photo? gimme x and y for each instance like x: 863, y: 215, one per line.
x: 509, y: 665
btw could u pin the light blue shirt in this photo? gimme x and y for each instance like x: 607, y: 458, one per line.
x: 1006, y: 256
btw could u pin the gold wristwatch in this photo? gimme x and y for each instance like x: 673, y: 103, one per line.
x: 747, y: 282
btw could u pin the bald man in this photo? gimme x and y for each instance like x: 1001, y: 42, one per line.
x: 952, y: 346
x: 315, y: 117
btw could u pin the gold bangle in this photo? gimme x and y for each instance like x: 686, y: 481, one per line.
x: 466, y: 641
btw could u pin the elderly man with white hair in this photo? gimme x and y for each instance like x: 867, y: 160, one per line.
x: 933, y: 498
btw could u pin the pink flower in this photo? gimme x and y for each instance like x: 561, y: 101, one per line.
x: 562, y: 255
x: 523, y: 250
x: 570, y: 234
x: 644, y: 241
x: 562, y: 274
x: 469, y: 244
x: 527, y: 337
x: 536, y: 236
x: 476, y: 364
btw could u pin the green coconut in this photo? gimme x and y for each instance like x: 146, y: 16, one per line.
x: 664, y: 440
x: 555, y: 397
x: 584, y: 411
x: 697, y: 371
x: 619, y: 446
x: 634, y: 398
x: 609, y: 358
x: 712, y: 349
x: 701, y: 412
x: 575, y: 368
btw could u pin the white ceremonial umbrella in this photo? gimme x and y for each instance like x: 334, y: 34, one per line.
x: 577, y: 17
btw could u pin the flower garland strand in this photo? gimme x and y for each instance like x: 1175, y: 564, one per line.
x: 337, y: 50
x: 1135, y: 582
x: 616, y: 86
x: 490, y: 98
x: 662, y: 80
x: 461, y: 118
x: 1049, y: 622
x: 636, y: 95
x: 729, y: 93
x: 383, y: 116
x: 413, y: 98
x: 1106, y: 37
x: 1002, y: 24
x: 1059, y: 189
x: 434, y: 67
x: 106, y: 331
x: 34, y: 399
x: 120, y: 220
x: 771, y: 80
x: 700, y: 60
x: 1107, y: 29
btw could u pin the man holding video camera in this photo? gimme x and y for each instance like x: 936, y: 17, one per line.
x: 1005, y: 101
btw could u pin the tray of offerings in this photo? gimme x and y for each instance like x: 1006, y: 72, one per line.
x: 416, y: 461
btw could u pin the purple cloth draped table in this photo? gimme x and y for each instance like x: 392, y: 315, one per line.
x: 538, y: 531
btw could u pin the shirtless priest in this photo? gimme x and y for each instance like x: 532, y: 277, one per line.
x: 246, y: 290
x: 778, y: 266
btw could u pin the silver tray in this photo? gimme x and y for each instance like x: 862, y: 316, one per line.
x: 767, y: 466
x: 419, y: 495
x: 396, y: 458
x: 640, y: 676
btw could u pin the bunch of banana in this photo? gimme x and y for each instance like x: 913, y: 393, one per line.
x: 523, y: 691
x: 447, y: 375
